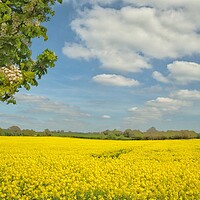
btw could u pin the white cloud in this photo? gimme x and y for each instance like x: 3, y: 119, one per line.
x: 143, y: 115
x: 116, y: 60
x: 165, y: 4
x: 39, y: 104
x: 167, y: 104
x: 180, y: 72
x: 27, y: 98
x: 155, y: 110
x: 155, y: 3
x: 184, y: 72
x: 76, y: 50
x: 134, y: 35
x: 159, y: 77
x: 187, y: 94
x: 115, y: 80
x: 132, y: 109
x: 92, y: 2
x: 106, y: 116
x: 119, y: 60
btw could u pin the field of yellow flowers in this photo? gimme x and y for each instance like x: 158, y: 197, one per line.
x: 65, y: 168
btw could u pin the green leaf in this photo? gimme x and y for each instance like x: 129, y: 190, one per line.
x: 18, y: 27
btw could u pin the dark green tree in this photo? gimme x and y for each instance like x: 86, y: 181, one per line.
x: 20, y: 22
x: 1, y: 131
x: 47, y: 132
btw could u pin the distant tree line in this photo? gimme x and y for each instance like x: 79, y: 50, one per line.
x: 151, y: 134
x: 128, y: 134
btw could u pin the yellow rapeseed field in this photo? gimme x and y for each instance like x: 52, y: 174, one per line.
x: 64, y: 168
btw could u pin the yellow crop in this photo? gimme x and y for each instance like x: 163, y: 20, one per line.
x: 63, y: 168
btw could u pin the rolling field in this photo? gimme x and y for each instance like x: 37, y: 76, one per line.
x: 65, y: 168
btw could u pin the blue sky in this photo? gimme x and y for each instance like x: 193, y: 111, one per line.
x: 121, y: 64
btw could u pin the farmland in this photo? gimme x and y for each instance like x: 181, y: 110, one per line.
x: 69, y: 168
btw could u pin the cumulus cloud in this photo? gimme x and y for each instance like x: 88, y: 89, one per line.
x: 115, y: 80
x: 167, y: 104
x: 155, y: 3
x: 159, y: 77
x: 187, y: 94
x: 76, y: 50
x: 156, y: 110
x: 136, y: 33
x: 184, y: 72
x: 180, y: 72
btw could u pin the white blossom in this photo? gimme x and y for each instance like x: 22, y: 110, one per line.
x: 12, y: 73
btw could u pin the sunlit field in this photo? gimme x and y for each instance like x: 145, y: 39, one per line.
x: 65, y: 168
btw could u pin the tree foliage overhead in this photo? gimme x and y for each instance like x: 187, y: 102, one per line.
x: 20, y: 22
